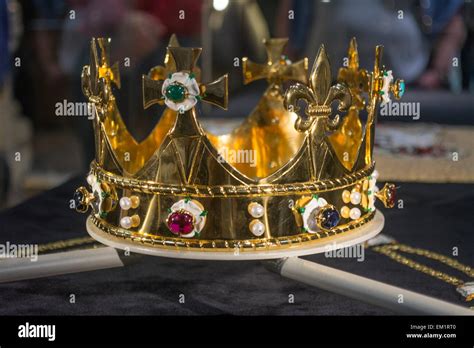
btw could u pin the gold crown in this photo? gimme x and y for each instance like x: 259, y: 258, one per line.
x: 312, y: 174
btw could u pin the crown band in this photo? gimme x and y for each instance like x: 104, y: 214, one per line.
x: 225, y: 244
x: 249, y: 190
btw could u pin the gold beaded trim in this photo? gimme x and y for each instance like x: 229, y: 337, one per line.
x: 230, y: 190
x: 319, y: 110
x: 223, y: 244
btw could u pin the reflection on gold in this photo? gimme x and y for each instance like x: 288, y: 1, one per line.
x: 347, y: 139
x: 130, y: 154
x: 268, y: 133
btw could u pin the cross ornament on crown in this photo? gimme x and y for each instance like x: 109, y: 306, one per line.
x: 356, y: 79
x: 383, y: 83
x: 160, y: 72
x: 99, y: 75
x: 278, y: 67
x: 180, y: 90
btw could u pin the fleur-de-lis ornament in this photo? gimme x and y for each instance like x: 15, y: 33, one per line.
x: 98, y: 76
x: 319, y: 95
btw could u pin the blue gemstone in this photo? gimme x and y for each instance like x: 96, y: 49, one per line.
x: 330, y: 218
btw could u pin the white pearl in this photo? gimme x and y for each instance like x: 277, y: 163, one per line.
x: 256, y: 210
x: 354, y: 213
x: 91, y: 179
x: 355, y: 197
x: 322, y: 202
x: 125, y: 203
x: 375, y: 174
x: 257, y: 228
x: 126, y: 222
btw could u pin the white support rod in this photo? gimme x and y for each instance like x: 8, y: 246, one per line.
x: 367, y: 290
x: 47, y: 265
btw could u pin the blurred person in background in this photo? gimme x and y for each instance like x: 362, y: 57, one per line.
x: 56, y: 46
x: 4, y: 69
x: 444, y: 27
x: 15, y: 130
x: 420, y: 37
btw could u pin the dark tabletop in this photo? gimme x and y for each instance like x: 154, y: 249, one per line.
x: 438, y: 217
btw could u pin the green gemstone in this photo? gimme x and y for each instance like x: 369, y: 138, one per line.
x: 401, y: 88
x: 175, y: 93
x: 301, y: 210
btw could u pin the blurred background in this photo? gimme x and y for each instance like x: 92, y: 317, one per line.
x: 45, y: 43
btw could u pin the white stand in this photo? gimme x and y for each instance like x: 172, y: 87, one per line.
x: 59, y: 263
x: 366, y: 290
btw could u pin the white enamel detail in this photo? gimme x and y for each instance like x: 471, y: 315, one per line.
x: 97, y: 191
x: 387, y: 81
x: 192, y: 91
x: 372, y: 188
x: 322, y: 202
x: 311, y: 210
x: 91, y: 179
x: 466, y: 289
x: 195, y: 209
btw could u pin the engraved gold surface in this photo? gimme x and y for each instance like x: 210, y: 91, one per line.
x: 231, y: 190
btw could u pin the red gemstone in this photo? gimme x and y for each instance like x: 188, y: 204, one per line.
x: 180, y: 222
x: 391, y: 195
